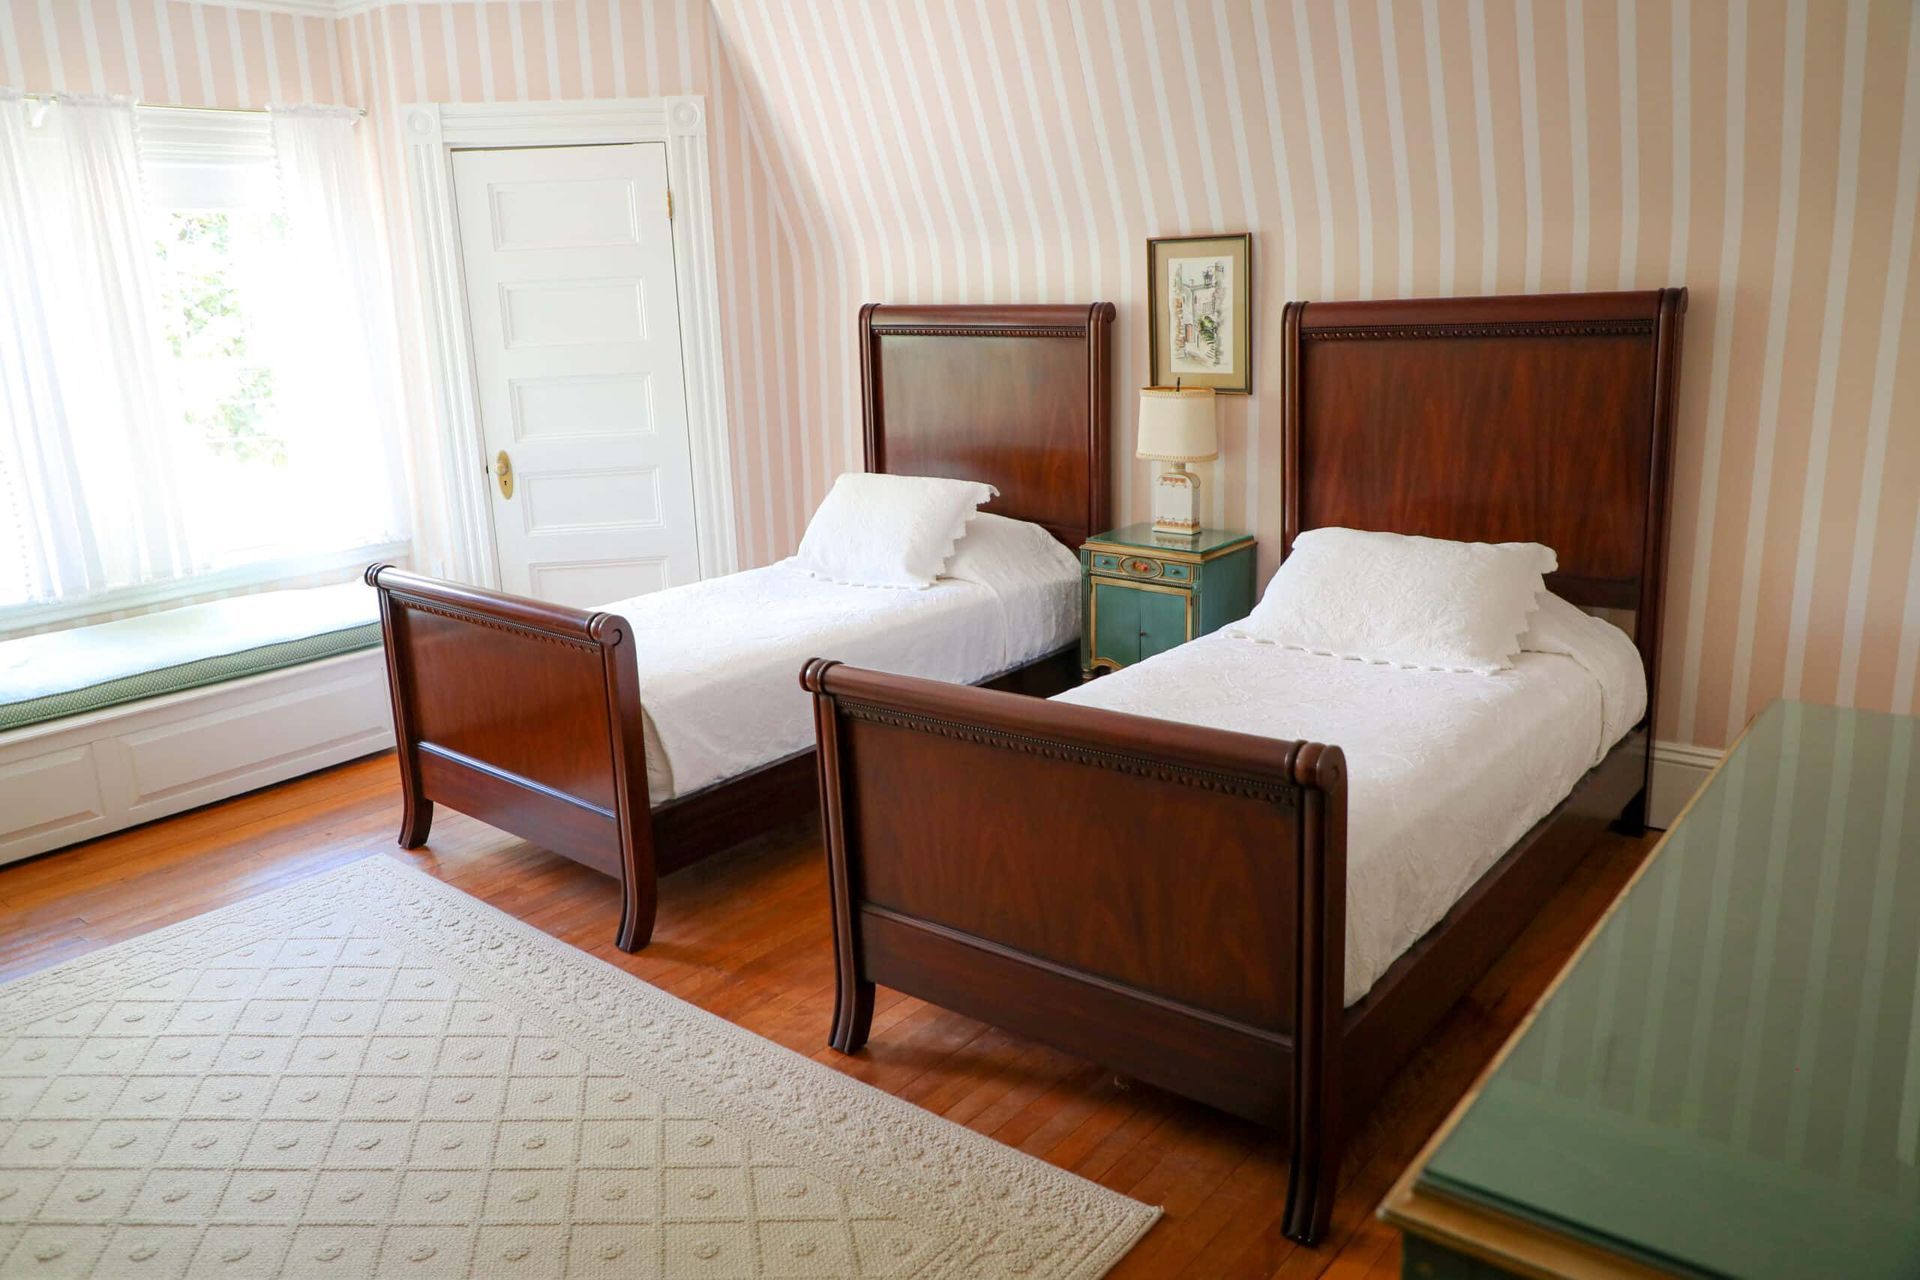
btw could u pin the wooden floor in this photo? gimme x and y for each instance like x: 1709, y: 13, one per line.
x: 745, y: 936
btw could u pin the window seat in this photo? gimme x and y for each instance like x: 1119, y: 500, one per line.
x: 107, y: 726
x: 68, y: 673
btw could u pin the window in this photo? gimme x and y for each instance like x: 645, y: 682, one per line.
x: 219, y: 232
x: 203, y: 369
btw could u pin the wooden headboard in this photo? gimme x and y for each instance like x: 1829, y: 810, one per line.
x: 1016, y: 396
x: 1544, y: 418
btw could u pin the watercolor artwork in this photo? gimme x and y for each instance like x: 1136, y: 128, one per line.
x: 1200, y: 314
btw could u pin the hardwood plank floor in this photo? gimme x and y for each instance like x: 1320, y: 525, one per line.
x: 745, y: 935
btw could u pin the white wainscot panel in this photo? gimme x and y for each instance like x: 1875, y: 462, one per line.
x: 204, y: 752
x: 582, y: 312
x: 51, y: 796
x: 88, y: 775
x: 587, y: 585
x: 583, y: 405
x: 554, y: 214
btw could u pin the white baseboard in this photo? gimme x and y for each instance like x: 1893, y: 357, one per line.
x: 74, y: 779
x: 1678, y: 770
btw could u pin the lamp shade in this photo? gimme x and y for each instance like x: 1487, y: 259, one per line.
x: 1177, y: 425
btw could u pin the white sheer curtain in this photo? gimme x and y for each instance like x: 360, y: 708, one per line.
x: 91, y: 464
x: 334, y: 334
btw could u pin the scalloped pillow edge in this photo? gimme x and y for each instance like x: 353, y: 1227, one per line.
x: 946, y: 557
x: 1547, y: 563
x: 1237, y: 632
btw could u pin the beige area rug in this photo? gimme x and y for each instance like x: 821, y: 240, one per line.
x: 370, y: 1073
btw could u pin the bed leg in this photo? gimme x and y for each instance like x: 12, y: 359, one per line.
x: 1633, y: 819
x: 1310, y: 1186
x: 1313, y: 1171
x: 639, y: 900
x: 416, y: 820
x: 852, y: 1015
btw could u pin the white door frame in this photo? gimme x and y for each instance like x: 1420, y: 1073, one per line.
x: 432, y: 132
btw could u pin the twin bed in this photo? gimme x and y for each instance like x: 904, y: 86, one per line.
x: 530, y: 716
x: 1259, y: 877
x: 1252, y: 875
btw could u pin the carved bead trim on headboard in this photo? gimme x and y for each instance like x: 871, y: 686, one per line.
x: 1588, y: 329
x: 927, y: 331
x: 417, y: 605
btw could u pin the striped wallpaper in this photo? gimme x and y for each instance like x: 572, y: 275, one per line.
x: 1764, y: 154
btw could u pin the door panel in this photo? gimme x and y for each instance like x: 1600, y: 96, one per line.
x: 568, y: 255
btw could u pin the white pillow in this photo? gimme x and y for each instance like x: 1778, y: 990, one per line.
x: 1560, y: 627
x: 889, y: 531
x: 1407, y: 601
x: 998, y: 550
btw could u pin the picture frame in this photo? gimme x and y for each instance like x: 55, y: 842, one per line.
x: 1200, y: 312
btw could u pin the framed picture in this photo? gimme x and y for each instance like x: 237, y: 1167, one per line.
x: 1200, y: 312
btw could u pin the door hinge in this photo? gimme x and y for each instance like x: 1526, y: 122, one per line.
x: 669, y: 204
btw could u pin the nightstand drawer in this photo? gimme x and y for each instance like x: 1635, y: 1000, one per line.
x: 1144, y: 567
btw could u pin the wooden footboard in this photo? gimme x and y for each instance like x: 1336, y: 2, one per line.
x: 1165, y: 899
x: 526, y: 716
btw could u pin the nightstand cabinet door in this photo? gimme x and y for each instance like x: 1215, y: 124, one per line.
x: 1116, y: 624
x: 1164, y: 618
x: 1131, y: 623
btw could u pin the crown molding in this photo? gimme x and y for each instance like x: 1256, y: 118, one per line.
x: 331, y: 8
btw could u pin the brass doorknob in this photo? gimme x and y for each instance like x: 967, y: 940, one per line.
x: 503, y: 472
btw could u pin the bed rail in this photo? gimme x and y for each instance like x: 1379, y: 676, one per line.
x: 510, y: 710
x: 958, y: 820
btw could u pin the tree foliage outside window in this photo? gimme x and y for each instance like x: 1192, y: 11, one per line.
x: 226, y: 386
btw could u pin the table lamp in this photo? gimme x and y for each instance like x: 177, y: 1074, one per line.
x: 1177, y: 426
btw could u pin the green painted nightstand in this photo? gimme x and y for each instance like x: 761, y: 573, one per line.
x: 1142, y: 592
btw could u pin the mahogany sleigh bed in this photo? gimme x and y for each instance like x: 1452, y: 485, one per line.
x: 528, y: 715
x: 1169, y: 899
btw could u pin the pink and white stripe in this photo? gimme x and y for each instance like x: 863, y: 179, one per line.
x: 952, y: 150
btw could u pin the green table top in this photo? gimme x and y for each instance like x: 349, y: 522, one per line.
x: 1728, y: 1080
x: 1142, y: 537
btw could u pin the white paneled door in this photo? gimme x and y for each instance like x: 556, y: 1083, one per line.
x: 568, y: 253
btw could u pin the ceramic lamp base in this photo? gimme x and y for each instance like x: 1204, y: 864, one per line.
x: 1176, y: 501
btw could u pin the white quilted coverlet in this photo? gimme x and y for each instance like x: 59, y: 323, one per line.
x: 720, y: 660
x: 1445, y: 769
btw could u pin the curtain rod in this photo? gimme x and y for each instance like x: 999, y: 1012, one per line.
x: 359, y: 112
x: 232, y: 111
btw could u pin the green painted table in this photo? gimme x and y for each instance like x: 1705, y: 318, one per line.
x: 1726, y: 1079
x: 1143, y: 592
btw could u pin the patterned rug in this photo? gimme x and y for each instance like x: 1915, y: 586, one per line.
x: 370, y: 1073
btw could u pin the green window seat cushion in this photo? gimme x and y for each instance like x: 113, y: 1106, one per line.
x: 69, y: 673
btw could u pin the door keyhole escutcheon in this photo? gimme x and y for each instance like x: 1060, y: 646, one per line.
x: 503, y: 472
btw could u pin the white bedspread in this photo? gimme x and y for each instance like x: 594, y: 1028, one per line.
x: 720, y: 660
x: 1445, y: 769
